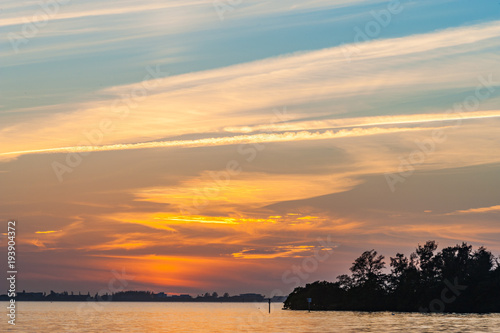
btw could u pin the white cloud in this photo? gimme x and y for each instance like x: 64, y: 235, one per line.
x: 244, y: 95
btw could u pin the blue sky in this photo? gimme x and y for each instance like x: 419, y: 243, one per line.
x: 80, y: 55
x: 206, y: 151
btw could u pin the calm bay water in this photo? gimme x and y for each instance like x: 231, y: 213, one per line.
x: 228, y: 317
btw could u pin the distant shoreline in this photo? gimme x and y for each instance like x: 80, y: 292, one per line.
x: 81, y: 301
x: 139, y: 296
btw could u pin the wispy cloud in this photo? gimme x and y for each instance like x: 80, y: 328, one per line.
x: 481, y: 210
x: 250, y: 8
x: 219, y: 141
x: 277, y: 252
x: 242, y: 96
x: 365, y: 121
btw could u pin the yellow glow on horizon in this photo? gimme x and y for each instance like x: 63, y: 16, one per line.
x: 196, y: 219
x: 174, y: 271
x: 168, y: 221
x: 307, y: 218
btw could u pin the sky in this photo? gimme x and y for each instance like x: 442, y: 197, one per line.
x: 243, y: 146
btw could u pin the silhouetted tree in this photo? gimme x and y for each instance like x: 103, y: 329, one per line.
x: 425, y: 262
x: 462, y: 280
x: 367, y: 267
x: 345, y: 282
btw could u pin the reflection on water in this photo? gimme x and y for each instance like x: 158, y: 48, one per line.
x: 229, y: 317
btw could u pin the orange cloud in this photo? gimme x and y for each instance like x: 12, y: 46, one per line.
x: 279, y: 252
x: 476, y: 210
x: 194, y: 195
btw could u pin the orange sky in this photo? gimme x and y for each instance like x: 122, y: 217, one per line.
x: 191, y: 158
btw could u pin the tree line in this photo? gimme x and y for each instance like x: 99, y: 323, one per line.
x: 456, y: 279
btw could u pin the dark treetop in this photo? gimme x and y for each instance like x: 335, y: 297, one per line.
x: 456, y: 279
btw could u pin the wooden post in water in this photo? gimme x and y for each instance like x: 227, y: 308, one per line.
x: 269, y: 304
x: 309, y: 304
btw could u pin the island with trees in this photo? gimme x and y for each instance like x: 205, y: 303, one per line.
x: 456, y: 279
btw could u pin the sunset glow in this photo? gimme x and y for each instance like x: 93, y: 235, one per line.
x: 200, y: 154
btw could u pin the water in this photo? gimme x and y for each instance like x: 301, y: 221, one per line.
x: 78, y: 317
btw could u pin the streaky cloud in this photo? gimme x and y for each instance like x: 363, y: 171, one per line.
x: 220, y: 141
